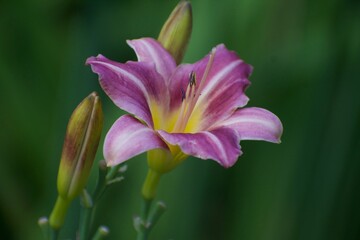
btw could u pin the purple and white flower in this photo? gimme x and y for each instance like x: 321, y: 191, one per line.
x: 189, y: 109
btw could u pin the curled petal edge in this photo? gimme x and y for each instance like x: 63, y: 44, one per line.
x: 220, y: 145
x: 255, y: 124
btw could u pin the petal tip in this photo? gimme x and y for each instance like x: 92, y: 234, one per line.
x: 130, y: 43
x: 89, y: 60
x: 92, y: 59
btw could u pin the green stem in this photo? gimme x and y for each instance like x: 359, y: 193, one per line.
x: 112, y: 172
x: 150, y: 185
x: 58, y: 214
x: 104, y: 179
x: 85, y: 220
x: 142, y: 235
x: 43, y: 223
x: 89, y: 202
x: 145, y: 209
x: 154, y: 217
x: 148, y: 193
x: 85, y: 214
x: 101, y: 181
x: 54, y: 234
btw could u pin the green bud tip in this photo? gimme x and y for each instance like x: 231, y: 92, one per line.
x: 123, y: 168
x: 176, y: 32
x: 138, y: 224
x: 161, y: 205
x: 81, y: 142
x: 101, y: 233
x: 104, y: 231
x: 43, y: 221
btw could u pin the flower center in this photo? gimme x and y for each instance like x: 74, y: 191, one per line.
x: 189, y: 118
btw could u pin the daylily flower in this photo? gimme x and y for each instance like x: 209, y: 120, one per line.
x: 177, y: 111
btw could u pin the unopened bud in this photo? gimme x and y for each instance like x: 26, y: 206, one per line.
x: 175, y: 34
x: 81, y: 142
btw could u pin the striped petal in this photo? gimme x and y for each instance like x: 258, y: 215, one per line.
x: 224, y: 87
x: 221, y: 145
x: 255, y: 124
x: 127, y: 138
x: 151, y: 51
x: 134, y: 86
x: 222, y: 90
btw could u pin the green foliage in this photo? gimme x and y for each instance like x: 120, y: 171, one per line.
x: 306, y: 59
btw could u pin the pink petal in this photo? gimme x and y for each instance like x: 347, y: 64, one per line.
x: 221, y: 145
x: 130, y: 86
x: 255, y: 124
x: 127, y: 138
x: 150, y: 50
x: 223, y: 90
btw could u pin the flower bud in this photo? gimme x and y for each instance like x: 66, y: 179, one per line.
x: 175, y: 34
x: 81, y: 142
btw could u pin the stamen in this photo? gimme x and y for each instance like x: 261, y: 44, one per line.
x: 207, y: 70
x: 183, y: 94
x: 197, y: 93
x: 192, y: 94
x: 192, y: 79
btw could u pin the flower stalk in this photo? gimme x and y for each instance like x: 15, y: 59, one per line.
x: 148, y: 219
x: 106, y: 177
x: 58, y: 214
x: 43, y: 223
x: 150, y: 185
x: 85, y: 214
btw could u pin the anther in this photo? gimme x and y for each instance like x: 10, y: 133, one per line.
x: 192, y: 79
x: 183, y: 94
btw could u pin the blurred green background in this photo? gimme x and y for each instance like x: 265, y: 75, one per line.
x: 306, y: 56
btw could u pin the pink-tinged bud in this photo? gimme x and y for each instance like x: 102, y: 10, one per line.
x: 81, y: 142
x: 176, y: 32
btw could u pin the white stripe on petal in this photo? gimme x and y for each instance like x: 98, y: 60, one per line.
x: 219, y: 146
x: 136, y: 80
x: 214, y: 81
x: 127, y: 138
x: 151, y: 51
x: 266, y: 123
x: 255, y: 124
